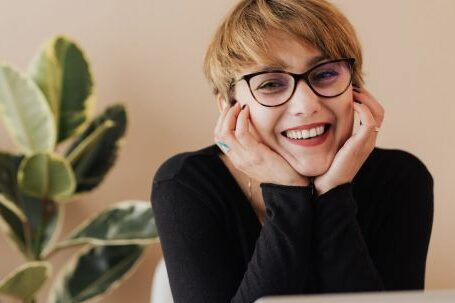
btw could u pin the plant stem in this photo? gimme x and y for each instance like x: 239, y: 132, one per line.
x: 52, y: 252
x: 28, y: 240
x: 57, y: 248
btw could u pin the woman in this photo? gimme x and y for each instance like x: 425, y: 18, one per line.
x: 291, y: 199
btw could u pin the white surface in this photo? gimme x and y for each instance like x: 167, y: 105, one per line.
x: 429, y: 296
x: 161, y: 290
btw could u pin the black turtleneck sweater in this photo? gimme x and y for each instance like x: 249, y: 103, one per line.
x: 371, y: 234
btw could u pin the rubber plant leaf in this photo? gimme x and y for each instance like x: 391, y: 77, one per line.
x: 42, y: 216
x: 94, y: 152
x: 12, y: 221
x: 46, y: 176
x: 94, y: 272
x: 63, y: 75
x: 26, y: 280
x: 27, y: 115
x: 127, y: 222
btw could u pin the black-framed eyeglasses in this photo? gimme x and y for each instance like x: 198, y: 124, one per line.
x: 328, y: 79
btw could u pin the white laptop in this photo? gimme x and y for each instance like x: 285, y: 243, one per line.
x: 414, y: 296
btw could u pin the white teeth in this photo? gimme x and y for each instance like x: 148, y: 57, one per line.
x: 291, y: 135
x: 305, y: 134
x: 313, y: 132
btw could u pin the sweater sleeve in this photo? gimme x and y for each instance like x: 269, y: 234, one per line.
x: 344, y: 264
x: 201, y: 264
x: 396, y: 259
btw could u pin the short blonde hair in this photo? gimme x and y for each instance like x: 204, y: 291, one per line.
x: 241, y: 39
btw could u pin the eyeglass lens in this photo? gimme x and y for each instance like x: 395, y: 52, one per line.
x: 275, y: 88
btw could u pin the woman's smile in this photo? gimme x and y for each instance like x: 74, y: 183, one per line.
x: 308, y: 137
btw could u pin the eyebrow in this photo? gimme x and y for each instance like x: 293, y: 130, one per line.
x: 310, y: 63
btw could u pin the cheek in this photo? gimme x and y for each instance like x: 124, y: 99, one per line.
x: 345, y: 123
x: 348, y: 117
x: 264, y: 121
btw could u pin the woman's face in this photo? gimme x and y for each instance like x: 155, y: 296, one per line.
x: 303, y: 108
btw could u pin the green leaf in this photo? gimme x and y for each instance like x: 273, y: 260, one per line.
x: 128, y: 222
x: 26, y: 280
x: 89, y: 141
x: 11, y: 213
x: 63, y: 74
x: 26, y: 113
x: 12, y: 223
x: 46, y: 176
x: 96, y: 271
x: 8, y: 175
x: 43, y: 217
x: 12, y: 208
x: 94, y: 152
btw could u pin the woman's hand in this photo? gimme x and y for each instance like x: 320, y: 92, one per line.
x: 350, y: 158
x: 250, y: 156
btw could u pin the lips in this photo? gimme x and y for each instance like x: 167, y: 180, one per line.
x: 312, y: 142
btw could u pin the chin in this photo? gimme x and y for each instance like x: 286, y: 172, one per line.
x: 313, y: 168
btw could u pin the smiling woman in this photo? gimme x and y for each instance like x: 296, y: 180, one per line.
x: 291, y: 199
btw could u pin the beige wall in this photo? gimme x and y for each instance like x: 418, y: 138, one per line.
x: 148, y: 54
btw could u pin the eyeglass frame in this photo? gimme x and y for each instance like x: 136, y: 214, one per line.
x: 297, y: 77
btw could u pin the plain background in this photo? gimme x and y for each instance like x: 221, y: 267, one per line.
x: 148, y: 55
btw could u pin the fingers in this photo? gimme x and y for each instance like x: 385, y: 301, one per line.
x: 230, y: 122
x: 224, y: 131
x: 234, y: 129
x: 220, y: 120
x: 366, y: 132
x: 242, y: 131
x: 364, y: 96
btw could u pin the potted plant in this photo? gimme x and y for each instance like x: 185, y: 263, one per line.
x: 63, y: 152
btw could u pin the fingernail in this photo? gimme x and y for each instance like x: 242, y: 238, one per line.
x: 243, y: 106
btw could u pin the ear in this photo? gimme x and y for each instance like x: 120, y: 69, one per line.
x: 221, y: 102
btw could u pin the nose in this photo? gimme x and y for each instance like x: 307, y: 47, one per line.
x: 304, y: 101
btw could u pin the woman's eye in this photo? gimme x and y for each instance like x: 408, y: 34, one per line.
x: 325, y: 75
x: 270, y: 85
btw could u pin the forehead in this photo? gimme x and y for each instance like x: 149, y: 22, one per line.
x: 285, y: 52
